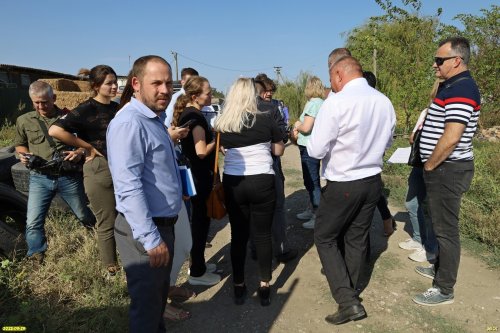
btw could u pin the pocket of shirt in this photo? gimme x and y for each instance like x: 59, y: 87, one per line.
x: 34, y: 136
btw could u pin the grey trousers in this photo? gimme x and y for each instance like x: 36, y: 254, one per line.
x: 445, y: 186
x: 147, y: 286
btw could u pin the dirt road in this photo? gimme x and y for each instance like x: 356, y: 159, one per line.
x: 301, y: 297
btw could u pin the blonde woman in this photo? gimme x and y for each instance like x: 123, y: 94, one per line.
x: 314, y: 92
x: 249, y: 137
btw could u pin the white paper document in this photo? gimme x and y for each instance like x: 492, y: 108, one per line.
x: 401, y: 155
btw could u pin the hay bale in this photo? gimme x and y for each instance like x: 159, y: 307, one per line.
x: 70, y: 99
x: 84, y: 86
x: 62, y: 84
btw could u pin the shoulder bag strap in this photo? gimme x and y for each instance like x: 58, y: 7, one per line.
x: 43, y: 127
x: 216, y: 164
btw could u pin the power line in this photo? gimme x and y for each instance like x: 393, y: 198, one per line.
x: 224, y: 68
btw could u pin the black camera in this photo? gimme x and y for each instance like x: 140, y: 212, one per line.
x: 55, y: 165
x: 35, y: 162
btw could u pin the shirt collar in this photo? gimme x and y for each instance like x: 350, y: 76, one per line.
x: 144, y: 110
x: 360, y: 81
x: 456, y: 77
x: 58, y: 113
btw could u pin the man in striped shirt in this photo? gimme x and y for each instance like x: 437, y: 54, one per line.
x: 446, y: 150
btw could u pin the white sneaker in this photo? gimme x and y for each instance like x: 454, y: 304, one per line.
x: 422, y: 256
x: 207, y: 279
x: 305, y: 215
x: 211, y: 268
x: 410, y: 244
x: 310, y: 224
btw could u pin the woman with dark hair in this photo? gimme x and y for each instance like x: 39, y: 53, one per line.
x: 85, y: 127
x: 198, y: 146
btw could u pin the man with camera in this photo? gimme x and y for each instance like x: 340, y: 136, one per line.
x: 53, y: 168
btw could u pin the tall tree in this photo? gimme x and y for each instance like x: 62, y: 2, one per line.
x: 398, y: 46
x: 484, y: 34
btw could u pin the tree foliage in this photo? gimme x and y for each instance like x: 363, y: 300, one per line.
x: 399, y: 47
x: 484, y: 34
x: 292, y: 94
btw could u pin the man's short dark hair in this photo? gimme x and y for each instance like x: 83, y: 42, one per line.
x: 460, y: 46
x: 189, y: 71
x: 370, y: 78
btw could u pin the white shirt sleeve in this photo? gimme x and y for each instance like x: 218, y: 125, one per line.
x: 420, y: 120
x: 325, y: 130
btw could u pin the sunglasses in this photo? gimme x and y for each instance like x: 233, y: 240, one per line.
x: 440, y: 60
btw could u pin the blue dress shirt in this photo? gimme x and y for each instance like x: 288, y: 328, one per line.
x: 144, y: 169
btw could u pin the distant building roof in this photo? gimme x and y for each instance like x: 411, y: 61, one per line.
x: 38, y: 71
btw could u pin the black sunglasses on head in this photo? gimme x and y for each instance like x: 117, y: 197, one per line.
x: 440, y: 60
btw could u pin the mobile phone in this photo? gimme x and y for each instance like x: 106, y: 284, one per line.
x: 187, y: 123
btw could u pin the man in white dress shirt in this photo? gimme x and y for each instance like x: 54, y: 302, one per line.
x: 352, y: 130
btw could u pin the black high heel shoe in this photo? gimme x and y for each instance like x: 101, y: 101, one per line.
x: 264, y: 295
x: 240, y: 293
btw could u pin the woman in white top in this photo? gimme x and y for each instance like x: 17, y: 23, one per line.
x: 249, y: 137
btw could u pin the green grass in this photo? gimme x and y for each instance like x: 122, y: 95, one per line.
x: 7, y: 134
x: 70, y: 293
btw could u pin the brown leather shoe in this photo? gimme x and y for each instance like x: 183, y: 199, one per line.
x: 347, y: 313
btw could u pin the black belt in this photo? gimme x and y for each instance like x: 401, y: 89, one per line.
x: 162, y: 221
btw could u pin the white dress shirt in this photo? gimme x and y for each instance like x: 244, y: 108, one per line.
x: 353, y: 129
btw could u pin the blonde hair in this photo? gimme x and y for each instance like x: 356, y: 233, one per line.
x: 240, y: 105
x: 314, y: 88
x: 434, y: 89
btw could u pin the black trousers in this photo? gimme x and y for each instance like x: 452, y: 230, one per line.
x: 445, y: 186
x: 343, y: 218
x: 250, y: 202
x: 200, y: 222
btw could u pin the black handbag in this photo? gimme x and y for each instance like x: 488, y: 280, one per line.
x: 415, y: 159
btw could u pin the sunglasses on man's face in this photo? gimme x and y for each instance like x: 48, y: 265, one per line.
x: 440, y: 60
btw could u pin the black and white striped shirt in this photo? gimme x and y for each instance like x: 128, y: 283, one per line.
x: 458, y: 100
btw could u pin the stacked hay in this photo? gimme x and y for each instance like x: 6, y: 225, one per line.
x: 83, y: 85
x: 62, y: 84
x: 71, y: 99
x: 69, y: 93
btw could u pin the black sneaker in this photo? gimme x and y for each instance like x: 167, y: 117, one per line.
x: 240, y: 294
x: 287, y: 256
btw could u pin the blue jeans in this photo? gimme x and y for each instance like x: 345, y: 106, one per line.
x: 42, y: 190
x: 415, y: 197
x: 310, y: 173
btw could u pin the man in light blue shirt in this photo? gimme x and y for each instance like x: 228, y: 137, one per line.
x: 148, y: 191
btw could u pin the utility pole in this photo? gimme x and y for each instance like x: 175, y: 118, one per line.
x: 277, y: 69
x: 176, y: 65
x: 375, y: 51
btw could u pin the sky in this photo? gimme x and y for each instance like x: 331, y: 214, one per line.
x: 223, y: 40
